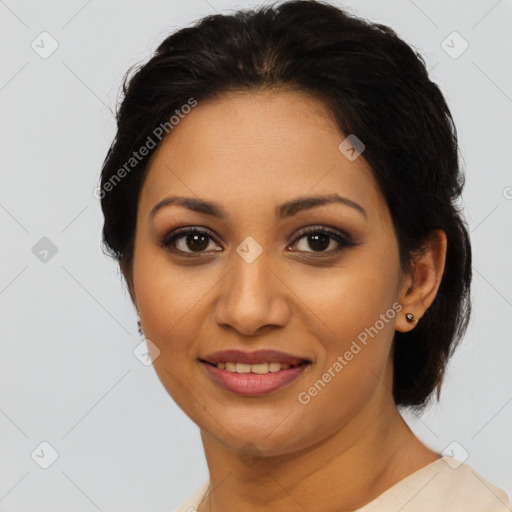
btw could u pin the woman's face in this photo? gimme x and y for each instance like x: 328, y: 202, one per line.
x: 255, y: 280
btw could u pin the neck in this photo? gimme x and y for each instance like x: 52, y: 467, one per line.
x: 343, y: 472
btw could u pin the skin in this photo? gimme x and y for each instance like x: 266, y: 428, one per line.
x: 250, y: 152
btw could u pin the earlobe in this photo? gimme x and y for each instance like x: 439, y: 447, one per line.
x: 424, y: 282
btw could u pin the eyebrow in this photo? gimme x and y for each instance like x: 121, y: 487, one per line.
x: 287, y: 209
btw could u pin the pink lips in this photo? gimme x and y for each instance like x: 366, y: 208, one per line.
x: 259, y: 356
x: 252, y: 384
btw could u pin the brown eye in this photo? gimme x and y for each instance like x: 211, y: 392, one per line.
x: 320, y: 239
x: 319, y: 242
x: 188, y: 241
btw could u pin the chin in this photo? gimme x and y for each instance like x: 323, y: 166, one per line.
x: 258, y: 436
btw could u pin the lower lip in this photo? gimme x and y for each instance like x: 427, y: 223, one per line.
x: 253, y: 384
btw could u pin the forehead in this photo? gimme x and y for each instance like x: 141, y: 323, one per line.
x: 256, y: 146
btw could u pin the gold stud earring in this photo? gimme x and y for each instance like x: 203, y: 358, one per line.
x: 410, y: 318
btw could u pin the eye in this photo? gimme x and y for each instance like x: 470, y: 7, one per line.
x: 195, y: 241
x: 188, y: 241
x: 320, y: 238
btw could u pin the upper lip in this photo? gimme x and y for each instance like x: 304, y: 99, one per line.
x: 256, y: 357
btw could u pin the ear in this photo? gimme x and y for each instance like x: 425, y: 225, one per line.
x: 420, y: 286
x: 128, y: 276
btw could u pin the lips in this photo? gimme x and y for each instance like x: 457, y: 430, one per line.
x: 253, y: 373
x: 257, y: 357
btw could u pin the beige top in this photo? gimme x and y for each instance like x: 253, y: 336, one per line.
x: 445, y: 485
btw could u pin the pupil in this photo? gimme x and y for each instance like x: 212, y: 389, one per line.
x: 194, y: 241
x: 199, y: 242
x: 321, y: 240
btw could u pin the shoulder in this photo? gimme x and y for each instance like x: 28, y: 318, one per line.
x: 446, y: 484
x: 459, y: 483
x: 192, y: 502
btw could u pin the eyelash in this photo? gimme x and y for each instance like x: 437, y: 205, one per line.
x: 343, y: 240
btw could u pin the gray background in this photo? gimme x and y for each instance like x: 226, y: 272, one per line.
x: 68, y: 375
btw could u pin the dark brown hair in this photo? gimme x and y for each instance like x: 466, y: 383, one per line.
x: 376, y: 87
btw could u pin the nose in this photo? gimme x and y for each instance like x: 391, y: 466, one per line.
x: 252, y: 297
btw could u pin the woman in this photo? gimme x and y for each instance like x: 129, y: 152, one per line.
x: 280, y: 196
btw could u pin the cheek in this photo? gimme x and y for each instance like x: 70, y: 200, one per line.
x: 350, y: 297
x: 171, y: 320
x: 349, y: 376
x: 353, y: 318
x: 167, y: 295
x: 172, y: 306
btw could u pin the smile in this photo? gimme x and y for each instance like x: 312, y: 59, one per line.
x: 259, y: 369
x: 253, y: 373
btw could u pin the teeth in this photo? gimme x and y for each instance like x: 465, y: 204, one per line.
x: 274, y: 367
x: 260, y: 368
x: 243, y: 368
